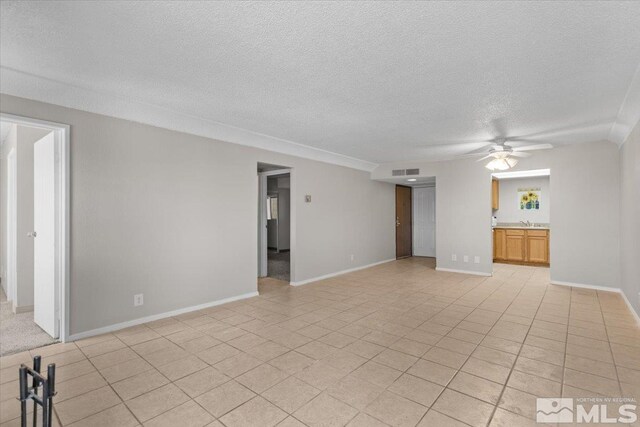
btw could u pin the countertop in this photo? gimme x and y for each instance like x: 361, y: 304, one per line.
x: 523, y: 227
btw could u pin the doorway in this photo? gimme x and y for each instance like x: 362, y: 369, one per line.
x: 34, y: 270
x: 404, y: 238
x: 274, y: 219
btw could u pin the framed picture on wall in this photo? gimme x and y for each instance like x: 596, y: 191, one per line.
x: 529, y: 198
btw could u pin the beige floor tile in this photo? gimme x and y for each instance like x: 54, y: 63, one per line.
x: 591, y: 382
x: 125, y: 370
x: 355, y: 391
x: 364, y: 420
x: 487, y: 370
x: 202, y: 381
x: 87, y: 404
x: 139, y: 384
x: 477, y: 387
x: 395, y: 359
x: 446, y: 357
x: 533, y: 384
x: 103, y: 347
x: 364, y: 349
x: 261, y: 378
x: 156, y: 402
x: 416, y: 389
x: 267, y: 351
x: 413, y: 348
x: 237, y: 365
x: 325, y: 410
x: 289, y: 422
x: 224, y: 398
x: 181, y: 368
x: 256, y: 412
x: 538, y: 368
x: 344, y: 360
x: 503, y: 418
x: 218, y: 353
x: 492, y: 355
x: 316, y: 350
x: 464, y: 408
x: 436, y: 419
x: 518, y: 402
x: 291, y: 362
x: 376, y: 373
x: 189, y: 414
x: 396, y: 410
x: 583, y: 364
x: 433, y: 372
x: 78, y: 386
x: 118, y: 415
x: 320, y: 375
x: 114, y: 358
x: 290, y: 394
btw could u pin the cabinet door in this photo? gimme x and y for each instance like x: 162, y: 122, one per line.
x: 538, y: 247
x: 499, y: 244
x: 495, y: 194
x: 515, y: 247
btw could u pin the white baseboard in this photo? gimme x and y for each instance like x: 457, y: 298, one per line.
x: 22, y: 309
x: 475, y: 273
x: 339, y: 273
x: 601, y: 288
x: 135, y: 322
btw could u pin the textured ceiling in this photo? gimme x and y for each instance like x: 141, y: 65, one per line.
x: 375, y: 81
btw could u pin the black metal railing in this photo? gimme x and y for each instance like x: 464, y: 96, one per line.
x: 31, y: 393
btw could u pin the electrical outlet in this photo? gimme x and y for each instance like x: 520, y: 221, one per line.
x: 466, y: 258
x: 476, y: 259
x: 353, y: 257
x: 454, y: 257
x: 138, y: 299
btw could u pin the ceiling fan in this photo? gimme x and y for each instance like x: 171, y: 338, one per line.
x: 504, y: 152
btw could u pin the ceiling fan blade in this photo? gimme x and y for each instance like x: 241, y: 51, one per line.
x: 481, y: 150
x: 519, y: 154
x: 485, y: 157
x: 532, y: 147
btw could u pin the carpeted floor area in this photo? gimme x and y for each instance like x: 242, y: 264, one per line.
x: 18, y: 332
x: 278, y: 265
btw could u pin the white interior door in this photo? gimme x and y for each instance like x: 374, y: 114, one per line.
x: 45, y: 304
x: 424, y: 221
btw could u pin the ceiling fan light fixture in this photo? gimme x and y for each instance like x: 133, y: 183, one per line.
x: 502, y: 163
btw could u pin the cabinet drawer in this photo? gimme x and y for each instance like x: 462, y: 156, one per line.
x: 515, y: 232
x: 537, y: 233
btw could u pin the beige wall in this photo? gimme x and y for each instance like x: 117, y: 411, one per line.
x: 585, y: 197
x: 173, y: 216
x: 24, y: 139
x: 630, y: 217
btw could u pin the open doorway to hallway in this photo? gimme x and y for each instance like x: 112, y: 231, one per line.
x: 521, y: 218
x: 416, y: 218
x: 30, y: 300
x: 274, y: 223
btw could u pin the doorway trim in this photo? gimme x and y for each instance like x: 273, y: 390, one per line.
x: 262, y: 221
x: 62, y: 209
x: 12, y: 226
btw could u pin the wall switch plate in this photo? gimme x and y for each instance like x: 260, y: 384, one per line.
x: 454, y: 257
x: 307, y: 198
x: 466, y: 258
x: 476, y: 259
x: 138, y: 299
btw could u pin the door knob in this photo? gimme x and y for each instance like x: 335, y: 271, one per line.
x: 32, y: 234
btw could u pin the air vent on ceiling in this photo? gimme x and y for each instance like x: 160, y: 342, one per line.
x: 398, y: 172
x: 413, y: 172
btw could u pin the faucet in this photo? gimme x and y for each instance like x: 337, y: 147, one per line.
x: 527, y: 223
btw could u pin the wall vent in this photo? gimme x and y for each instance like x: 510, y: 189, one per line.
x: 398, y: 172
x: 413, y: 172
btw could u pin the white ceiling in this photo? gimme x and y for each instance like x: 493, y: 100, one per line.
x: 378, y: 82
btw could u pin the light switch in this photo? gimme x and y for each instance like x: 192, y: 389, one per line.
x: 307, y: 198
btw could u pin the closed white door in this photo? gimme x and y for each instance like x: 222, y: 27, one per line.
x: 424, y: 221
x: 45, y: 304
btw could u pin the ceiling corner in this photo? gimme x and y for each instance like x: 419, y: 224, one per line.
x: 629, y: 113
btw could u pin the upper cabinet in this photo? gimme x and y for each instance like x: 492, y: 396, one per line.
x: 495, y: 194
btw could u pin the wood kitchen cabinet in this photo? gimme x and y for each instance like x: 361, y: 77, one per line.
x: 495, y: 194
x: 521, y: 246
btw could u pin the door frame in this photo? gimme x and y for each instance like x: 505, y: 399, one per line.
x: 62, y: 210
x: 410, y: 221
x: 262, y: 221
x: 12, y: 228
x: 419, y: 187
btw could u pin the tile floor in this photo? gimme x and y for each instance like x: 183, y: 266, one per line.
x: 398, y: 344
